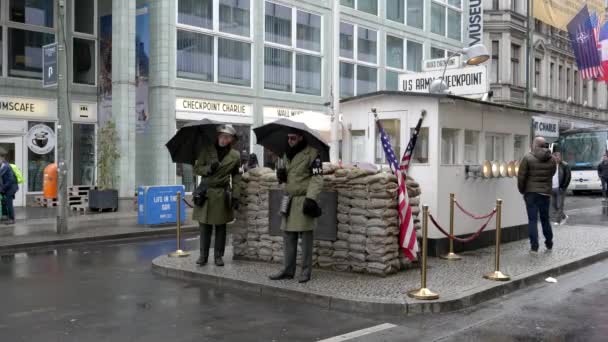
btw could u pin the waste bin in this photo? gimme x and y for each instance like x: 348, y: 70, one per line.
x: 158, y: 204
x: 49, y: 183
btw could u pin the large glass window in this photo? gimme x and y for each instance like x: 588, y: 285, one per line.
x: 495, y: 147
x: 234, y: 62
x: 32, y: 12
x: 309, y: 31
x: 515, y: 72
x: 277, y: 69
x: 454, y: 24
x: 37, y: 162
x: 367, y: 50
x: 438, y: 19
x: 495, y: 65
x: 25, y: 52
x: 278, y: 24
x: 83, y: 151
x: 471, y: 147
x: 347, y: 40
x: 195, y: 56
x: 84, y: 16
x: 348, y: 3
x: 414, y: 56
x: 408, y: 12
x: 197, y: 13
x: 421, y: 151
x: 447, y: 14
x: 392, y: 80
x: 437, y: 53
x: 347, y: 80
x: 84, y: 61
x: 415, y: 13
x: 365, y: 75
x: 308, y: 74
x: 392, y: 127
x: 369, y: 6
x: 235, y: 17
x: 395, y: 10
x: 449, y: 146
x: 366, y: 79
x: 394, y: 52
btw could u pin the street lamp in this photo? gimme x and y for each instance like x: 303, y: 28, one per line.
x: 474, y: 55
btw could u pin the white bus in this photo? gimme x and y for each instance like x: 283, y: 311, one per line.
x: 583, y: 149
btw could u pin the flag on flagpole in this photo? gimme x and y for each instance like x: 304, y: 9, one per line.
x: 603, y: 40
x: 584, y: 45
x: 407, y: 232
x: 595, y: 24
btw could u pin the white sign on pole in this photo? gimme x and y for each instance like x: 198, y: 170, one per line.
x: 474, y: 25
x: 544, y: 127
x: 462, y: 81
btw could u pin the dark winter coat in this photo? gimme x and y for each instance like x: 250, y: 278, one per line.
x: 602, y: 169
x: 8, y: 181
x: 536, y: 172
x: 564, y: 175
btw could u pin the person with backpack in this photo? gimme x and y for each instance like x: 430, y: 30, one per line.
x: 8, y: 189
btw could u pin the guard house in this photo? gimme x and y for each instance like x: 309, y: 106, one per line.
x: 458, y: 135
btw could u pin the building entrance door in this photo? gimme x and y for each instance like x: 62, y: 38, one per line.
x: 13, y: 148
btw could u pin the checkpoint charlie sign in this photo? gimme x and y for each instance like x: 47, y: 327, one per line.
x: 461, y: 81
x: 544, y: 127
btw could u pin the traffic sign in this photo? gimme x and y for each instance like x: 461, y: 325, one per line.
x: 49, y: 65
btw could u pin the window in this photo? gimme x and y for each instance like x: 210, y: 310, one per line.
x: 25, y: 52
x: 585, y: 94
x: 551, y: 78
x: 83, y: 61
x: 437, y: 53
x: 358, y: 143
x: 392, y: 80
x: 214, y: 47
x: 519, y: 146
x: 577, y: 92
x: 447, y: 14
x: 32, y: 12
x: 568, y: 89
x: 494, y: 75
x: 292, y: 60
x: 594, y: 99
x: 495, y: 147
x: 408, y: 12
x: 495, y: 5
x: 449, y: 146
x: 515, y: 72
x: 37, y: 162
x: 394, y: 52
x: 471, y: 147
x: 514, y: 5
x: 368, y: 6
x: 560, y: 80
x: 84, y: 16
x: 414, y: 56
x: 537, y: 74
x: 83, y: 152
x: 392, y: 127
x: 358, y: 72
x: 348, y: 3
x: 421, y: 151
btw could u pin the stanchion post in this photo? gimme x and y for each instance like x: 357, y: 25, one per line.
x: 179, y: 253
x: 497, y: 274
x: 423, y: 292
x: 451, y: 255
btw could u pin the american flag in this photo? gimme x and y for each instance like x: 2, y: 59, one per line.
x: 407, y: 232
x: 584, y: 44
x: 595, y: 24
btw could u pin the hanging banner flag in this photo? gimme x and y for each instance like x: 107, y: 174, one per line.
x: 558, y: 13
x: 584, y: 45
x: 475, y: 23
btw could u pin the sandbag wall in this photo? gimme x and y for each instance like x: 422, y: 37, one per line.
x: 368, y: 232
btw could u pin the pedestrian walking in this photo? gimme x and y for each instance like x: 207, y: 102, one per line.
x: 602, y: 172
x: 534, y: 182
x: 8, y: 189
x: 219, y: 166
x: 560, y: 182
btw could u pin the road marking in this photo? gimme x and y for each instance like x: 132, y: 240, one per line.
x: 359, y: 333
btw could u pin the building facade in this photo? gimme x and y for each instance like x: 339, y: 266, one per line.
x: 153, y: 66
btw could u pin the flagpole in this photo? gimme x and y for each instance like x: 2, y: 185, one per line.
x: 335, y: 88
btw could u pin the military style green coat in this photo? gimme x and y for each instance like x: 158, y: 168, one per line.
x: 301, y: 184
x: 217, y: 209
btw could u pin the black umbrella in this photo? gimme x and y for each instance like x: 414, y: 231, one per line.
x: 273, y: 136
x: 187, y: 143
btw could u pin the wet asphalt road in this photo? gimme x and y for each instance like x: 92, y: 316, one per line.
x: 108, y: 293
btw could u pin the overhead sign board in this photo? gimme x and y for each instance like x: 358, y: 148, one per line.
x: 439, y: 63
x: 49, y: 65
x: 544, y: 127
x: 27, y: 107
x: 212, y: 107
x: 463, y: 81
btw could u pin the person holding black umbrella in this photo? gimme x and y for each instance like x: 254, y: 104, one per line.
x: 219, y: 165
x: 301, y: 170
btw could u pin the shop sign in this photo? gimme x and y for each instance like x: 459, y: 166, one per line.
x: 84, y: 112
x: 463, y: 81
x: 474, y: 26
x: 49, y: 65
x: 16, y: 106
x: 213, y: 107
x: 543, y: 127
x: 439, y: 63
x: 282, y: 112
x: 41, y: 139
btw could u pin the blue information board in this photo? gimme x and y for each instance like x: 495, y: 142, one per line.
x: 158, y: 204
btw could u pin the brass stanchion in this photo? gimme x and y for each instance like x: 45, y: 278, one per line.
x: 497, y: 274
x: 179, y: 253
x: 423, y: 292
x: 451, y: 255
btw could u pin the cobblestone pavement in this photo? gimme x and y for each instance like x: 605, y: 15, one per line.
x: 451, y: 280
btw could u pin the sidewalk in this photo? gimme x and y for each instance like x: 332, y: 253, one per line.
x: 459, y: 283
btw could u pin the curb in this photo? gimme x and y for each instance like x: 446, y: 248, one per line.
x: 451, y: 303
x: 148, y: 234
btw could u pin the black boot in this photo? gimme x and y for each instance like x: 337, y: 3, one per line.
x: 219, y: 261
x: 280, y: 276
x: 205, y: 244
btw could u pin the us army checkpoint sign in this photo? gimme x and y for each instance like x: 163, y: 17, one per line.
x: 49, y: 65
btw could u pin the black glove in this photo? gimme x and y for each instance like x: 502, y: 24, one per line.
x: 282, y: 175
x: 311, y: 208
x: 236, y: 203
x: 213, y: 167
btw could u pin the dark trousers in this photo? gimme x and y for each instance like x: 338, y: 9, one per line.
x: 558, y: 197
x: 220, y: 240
x: 7, y: 207
x: 290, y: 250
x: 604, y: 187
x: 538, y: 205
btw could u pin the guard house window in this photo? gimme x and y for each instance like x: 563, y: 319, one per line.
x: 515, y: 72
x: 519, y: 146
x: 358, y: 60
x: 292, y: 53
x: 447, y: 13
x: 25, y: 52
x: 214, y: 41
x: 358, y: 145
x: 537, y: 74
x: 449, y: 146
x: 32, y: 12
x: 409, y: 12
x: 392, y: 129
x: 495, y: 147
x: 471, y: 147
x: 421, y: 151
x: 495, y: 66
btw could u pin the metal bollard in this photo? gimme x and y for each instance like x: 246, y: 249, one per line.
x: 178, y: 252
x: 497, y: 274
x: 451, y: 255
x: 424, y: 293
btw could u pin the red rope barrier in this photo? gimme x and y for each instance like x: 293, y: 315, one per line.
x: 473, y: 216
x: 463, y: 240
